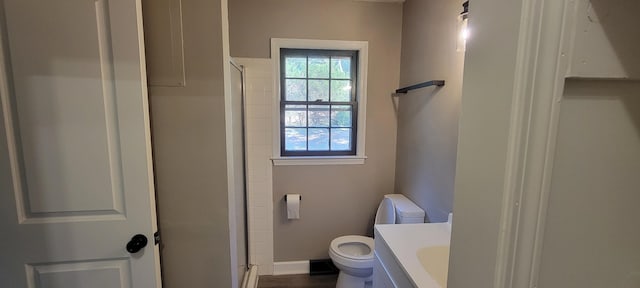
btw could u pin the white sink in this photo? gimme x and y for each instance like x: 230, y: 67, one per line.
x: 435, y: 261
x: 413, y: 254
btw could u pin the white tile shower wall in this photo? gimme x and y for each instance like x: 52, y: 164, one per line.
x: 259, y: 95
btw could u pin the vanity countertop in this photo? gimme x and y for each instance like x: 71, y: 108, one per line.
x: 422, y: 251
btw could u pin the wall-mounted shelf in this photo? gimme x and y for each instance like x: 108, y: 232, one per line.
x: 404, y: 90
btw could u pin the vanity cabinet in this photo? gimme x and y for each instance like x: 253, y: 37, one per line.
x: 411, y: 255
x: 381, y: 279
x: 387, y: 272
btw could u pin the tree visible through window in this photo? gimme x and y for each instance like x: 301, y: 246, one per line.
x: 318, y: 104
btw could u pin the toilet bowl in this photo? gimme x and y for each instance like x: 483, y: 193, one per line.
x: 353, y: 254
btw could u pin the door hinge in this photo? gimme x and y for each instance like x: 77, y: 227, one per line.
x: 156, y: 238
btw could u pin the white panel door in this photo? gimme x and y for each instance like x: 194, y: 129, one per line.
x: 76, y: 181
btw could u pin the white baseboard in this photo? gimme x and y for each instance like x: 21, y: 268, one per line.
x: 291, y: 267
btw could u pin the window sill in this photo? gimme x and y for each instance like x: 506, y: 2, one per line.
x: 318, y: 160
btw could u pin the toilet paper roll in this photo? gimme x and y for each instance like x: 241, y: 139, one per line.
x: 293, y: 206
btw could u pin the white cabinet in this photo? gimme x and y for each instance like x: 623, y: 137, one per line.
x: 398, y: 261
x: 380, y: 277
x: 387, y: 272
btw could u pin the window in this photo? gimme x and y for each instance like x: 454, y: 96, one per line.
x: 320, y: 101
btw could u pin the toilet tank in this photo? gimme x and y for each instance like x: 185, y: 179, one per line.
x: 406, y: 211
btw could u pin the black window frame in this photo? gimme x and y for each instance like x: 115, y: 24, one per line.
x: 353, y: 54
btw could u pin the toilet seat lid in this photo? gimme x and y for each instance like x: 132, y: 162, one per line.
x: 353, y: 247
x: 386, y: 213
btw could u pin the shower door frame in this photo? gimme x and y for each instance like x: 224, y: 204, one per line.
x: 241, y: 69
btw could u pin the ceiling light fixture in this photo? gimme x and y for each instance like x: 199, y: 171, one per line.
x: 463, y: 28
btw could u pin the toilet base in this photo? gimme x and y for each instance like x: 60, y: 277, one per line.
x: 349, y: 281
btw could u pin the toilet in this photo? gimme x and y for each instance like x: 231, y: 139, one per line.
x: 353, y: 254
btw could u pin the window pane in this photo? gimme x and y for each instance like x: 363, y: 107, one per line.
x: 295, y: 90
x: 340, y: 67
x: 295, y: 139
x: 340, y: 139
x: 341, y: 90
x: 318, y: 115
x: 318, y: 89
x: 318, y: 67
x: 318, y: 139
x: 341, y: 116
x: 318, y: 102
x: 295, y: 116
x: 295, y: 67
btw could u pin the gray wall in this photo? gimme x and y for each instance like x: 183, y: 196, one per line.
x: 428, y: 117
x: 337, y: 200
x: 485, y: 111
x: 592, y: 227
x: 188, y: 135
x: 592, y: 231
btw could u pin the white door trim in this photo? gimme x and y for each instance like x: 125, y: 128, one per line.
x: 542, y: 62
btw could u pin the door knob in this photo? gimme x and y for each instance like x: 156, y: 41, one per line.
x: 137, y: 243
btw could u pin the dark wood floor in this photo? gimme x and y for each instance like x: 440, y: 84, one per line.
x: 298, y: 281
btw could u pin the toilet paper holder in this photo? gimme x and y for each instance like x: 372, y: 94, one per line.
x: 285, y: 197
